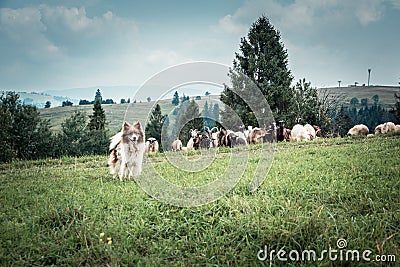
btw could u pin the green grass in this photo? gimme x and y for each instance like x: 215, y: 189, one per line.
x: 53, y: 211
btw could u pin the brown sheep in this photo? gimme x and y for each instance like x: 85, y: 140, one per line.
x: 256, y: 135
x: 317, y: 130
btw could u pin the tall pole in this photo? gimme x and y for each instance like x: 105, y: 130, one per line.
x: 369, y: 75
x: 339, y: 83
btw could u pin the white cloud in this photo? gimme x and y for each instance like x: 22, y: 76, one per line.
x: 303, y: 15
x: 229, y: 25
x: 164, y: 58
x: 395, y: 3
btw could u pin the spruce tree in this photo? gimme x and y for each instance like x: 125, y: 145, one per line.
x: 264, y: 60
x: 396, y: 110
x: 306, y: 102
x: 175, y: 99
x: 189, y: 117
x: 97, y: 139
x: 154, y: 126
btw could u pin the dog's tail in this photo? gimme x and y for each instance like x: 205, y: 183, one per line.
x: 115, y: 140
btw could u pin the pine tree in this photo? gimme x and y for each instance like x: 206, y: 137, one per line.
x: 343, y: 122
x: 396, y: 110
x: 96, y: 139
x: 72, y: 140
x: 207, y: 115
x: 306, y: 102
x: 155, y: 125
x: 175, y: 99
x: 98, y: 118
x: 98, y: 96
x: 264, y: 59
x: 189, y: 117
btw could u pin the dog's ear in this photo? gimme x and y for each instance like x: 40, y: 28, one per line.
x: 137, y: 125
x: 126, y: 126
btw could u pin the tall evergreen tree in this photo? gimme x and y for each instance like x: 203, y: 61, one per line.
x: 154, y: 126
x: 208, y: 115
x: 98, y: 96
x: 175, y: 99
x: 97, y: 136
x: 396, y: 109
x: 98, y: 118
x: 189, y: 117
x: 306, y: 102
x: 73, y: 135
x: 264, y: 59
x: 343, y: 122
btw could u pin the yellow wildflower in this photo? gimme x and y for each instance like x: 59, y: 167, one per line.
x: 101, y: 235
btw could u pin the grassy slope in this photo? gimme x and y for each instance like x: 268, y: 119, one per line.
x: 385, y: 93
x: 115, y: 114
x: 53, y: 211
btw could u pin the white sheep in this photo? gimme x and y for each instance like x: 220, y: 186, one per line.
x: 398, y: 127
x: 378, y: 129
x: 359, y: 129
x: 177, y: 145
x: 311, y: 131
x: 190, y: 144
x: 388, y: 127
x: 299, y: 133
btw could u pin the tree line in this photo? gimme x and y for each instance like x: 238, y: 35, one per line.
x: 24, y: 135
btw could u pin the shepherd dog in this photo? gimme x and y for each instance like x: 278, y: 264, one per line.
x: 126, y: 151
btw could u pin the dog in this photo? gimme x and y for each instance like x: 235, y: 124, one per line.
x: 126, y: 151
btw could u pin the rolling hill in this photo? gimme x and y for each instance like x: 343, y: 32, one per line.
x: 115, y: 113
x: 385, y: 93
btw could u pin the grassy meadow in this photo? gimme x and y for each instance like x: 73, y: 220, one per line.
x: 53, y: 211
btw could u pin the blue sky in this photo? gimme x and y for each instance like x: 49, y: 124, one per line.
x: 70, y: 44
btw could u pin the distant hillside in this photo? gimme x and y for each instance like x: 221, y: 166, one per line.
x: 39, y: 99
x: 115, y: 113
x: 88, y: 93
x: 385, y: 93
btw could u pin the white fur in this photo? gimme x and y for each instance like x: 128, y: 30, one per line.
x: 299, y: 133
x: 310, y: 130
x: 359, y: 129
x: 126, y: 157
x: 190, y: 144
x: 131, y: 160
x: 388, y: 127
x: 177, y: 145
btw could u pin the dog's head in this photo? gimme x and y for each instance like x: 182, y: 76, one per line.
x: 132, y: 133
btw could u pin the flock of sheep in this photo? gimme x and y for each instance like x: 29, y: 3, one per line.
x: 361, y: 129
x: 215, y: 137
